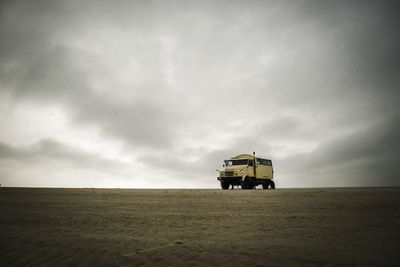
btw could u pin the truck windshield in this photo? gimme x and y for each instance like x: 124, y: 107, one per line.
x: 237, y: 162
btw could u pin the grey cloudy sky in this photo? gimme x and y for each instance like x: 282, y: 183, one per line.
x: 159, y: 93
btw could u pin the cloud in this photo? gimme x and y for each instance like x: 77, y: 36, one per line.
x: 183, y: 85
x: 51, y: 163
x: 366, y: 157
x: 52, y: 150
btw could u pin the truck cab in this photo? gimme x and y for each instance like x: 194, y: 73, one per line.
x: 248, y: 171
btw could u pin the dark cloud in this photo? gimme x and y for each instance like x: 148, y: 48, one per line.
x: 362, y: 158
x: 52, y: 150
x: 184, y: 85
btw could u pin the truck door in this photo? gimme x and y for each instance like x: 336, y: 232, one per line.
x: 251, y: 168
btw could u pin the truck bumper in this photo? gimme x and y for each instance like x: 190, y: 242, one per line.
x: 235, y: 180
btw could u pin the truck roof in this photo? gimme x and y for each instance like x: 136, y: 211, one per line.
x: 246, y: 156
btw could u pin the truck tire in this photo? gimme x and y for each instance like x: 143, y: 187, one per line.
x: 266, y: 184
x: 225, y: 185
x: 272, y: 184
x: 246, y: 184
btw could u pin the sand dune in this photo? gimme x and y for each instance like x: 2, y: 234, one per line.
x: 285, y: 227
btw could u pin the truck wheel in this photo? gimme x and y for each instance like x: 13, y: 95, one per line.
x: 246, y: 184
x: 265, y: 185
x: 272, y: 184
x: 225, y: 185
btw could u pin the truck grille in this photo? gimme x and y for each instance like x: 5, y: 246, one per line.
x: 229, y: 173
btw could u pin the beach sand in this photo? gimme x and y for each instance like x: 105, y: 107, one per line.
x: 283, y: 227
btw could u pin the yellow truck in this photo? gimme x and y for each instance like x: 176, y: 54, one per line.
x: 248, y: 171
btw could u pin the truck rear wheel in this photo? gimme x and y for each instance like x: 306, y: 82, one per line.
x: 225, y: 185
x: 266, y: 184
x: 269, y: 184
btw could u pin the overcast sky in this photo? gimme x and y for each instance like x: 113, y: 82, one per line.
x: 159, y: 93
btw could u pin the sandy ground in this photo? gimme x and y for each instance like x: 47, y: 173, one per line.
x: 283, y: 227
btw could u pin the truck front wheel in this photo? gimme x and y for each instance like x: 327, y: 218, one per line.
x: 225, y: 185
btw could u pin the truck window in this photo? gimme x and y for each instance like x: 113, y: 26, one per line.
x: 234, y: 162
x: 262, y: 161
